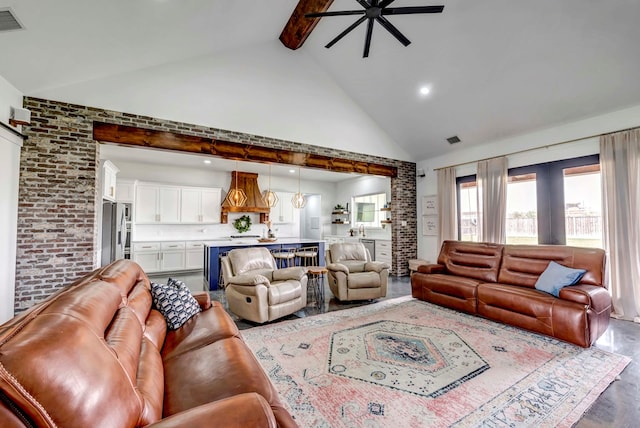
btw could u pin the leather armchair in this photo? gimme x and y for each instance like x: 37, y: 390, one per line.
x: 353, y: 275
x: 257, y: 290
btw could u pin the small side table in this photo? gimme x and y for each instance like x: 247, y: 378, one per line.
x: 316, y: 283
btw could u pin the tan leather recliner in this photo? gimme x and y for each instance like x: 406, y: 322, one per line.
x: 257, y: 290
x: 352, y: 274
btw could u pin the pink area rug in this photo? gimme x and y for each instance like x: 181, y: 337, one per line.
x: 407, y: 363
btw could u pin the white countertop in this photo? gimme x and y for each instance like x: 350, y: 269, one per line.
x: 253, y: 242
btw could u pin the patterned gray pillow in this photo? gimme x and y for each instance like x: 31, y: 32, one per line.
x: 175, y: 302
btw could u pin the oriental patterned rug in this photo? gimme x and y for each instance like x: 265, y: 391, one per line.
x: 407, y: 363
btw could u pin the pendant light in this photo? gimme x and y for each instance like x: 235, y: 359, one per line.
x: 236, y: 197
x: 269, y: 197
x: 298, y: 200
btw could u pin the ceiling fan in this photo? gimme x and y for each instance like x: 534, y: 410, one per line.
x: 375, y: 10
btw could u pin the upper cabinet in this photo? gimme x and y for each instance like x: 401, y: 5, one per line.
x: 200, y: 205
x: 109, y: 173
x: 125, y: 191
x: 283, y: 211
x: 156, y: 203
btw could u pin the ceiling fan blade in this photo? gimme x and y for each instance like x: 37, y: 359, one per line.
x: 393, y: 30
x: 345, y: 32
x: 364, y: 3
x: 412, y: 9
x: 367, y: 40
x: 336, y: 13
x: 385, y: 3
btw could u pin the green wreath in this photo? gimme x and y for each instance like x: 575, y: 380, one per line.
x: 242, y: 224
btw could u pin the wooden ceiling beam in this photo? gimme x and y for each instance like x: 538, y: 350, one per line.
x: 298, y: 27
x: 140, y: 137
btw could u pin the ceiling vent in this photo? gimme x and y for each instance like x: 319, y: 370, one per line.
x: 453, y: 140
x: 8, y: 21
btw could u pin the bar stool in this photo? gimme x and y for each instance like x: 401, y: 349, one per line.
x: 316, y: 284
x: 285, y: 257
x: 307, y: 256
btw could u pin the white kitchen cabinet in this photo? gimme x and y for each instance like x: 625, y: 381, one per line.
x: 147, y: 255
x: 157, y: 204
x: 283, y: 211
x: 383, y: 251
x: 125, y: 191
x: 172, y: 256
x: 109, y: 174
x: 194, y: 255
x: 200, y: 205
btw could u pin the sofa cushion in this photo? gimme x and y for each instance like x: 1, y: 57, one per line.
x: 202, y: 329
x: 363, y: 280
x: 471, y: 259
x: 556, y: 276
x: 348, y: 251
x: 244, y: 260
x: 175, y: 301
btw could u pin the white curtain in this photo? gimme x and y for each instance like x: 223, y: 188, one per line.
x: 620, y: 168
x: 492, y: 200
x: 447, y: 205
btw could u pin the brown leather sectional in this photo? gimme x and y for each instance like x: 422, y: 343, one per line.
x: 497, y: 282
x: 96, y: 354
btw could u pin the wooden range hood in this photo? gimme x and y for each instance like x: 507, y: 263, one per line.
x: 248, y: 182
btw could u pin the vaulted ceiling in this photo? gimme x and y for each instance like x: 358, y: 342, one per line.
x: 495, y: 68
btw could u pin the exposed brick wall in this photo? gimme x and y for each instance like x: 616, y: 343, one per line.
x: 57, y: 230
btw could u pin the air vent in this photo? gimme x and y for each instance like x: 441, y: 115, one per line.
x: 453, y: 140
x: 8, y: 21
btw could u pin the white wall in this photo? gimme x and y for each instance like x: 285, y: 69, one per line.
x: 533, y: 148
x: 10, y: 145
x: 265, y: 90
x: 9, y: 97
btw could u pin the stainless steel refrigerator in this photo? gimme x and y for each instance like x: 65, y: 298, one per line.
x: 116, y: 231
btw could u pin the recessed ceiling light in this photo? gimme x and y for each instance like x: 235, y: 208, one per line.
x: 292, y: 171
x: 207, y: 161
x: 424, y: 90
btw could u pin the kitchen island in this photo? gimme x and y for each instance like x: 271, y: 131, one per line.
x: 214, y: 248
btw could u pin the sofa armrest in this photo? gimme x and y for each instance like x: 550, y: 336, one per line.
x: 288, y: 273
x: 242, y: 410
x: 338, y: 267
x: 249, y: 279
x: 203, y: 299
x: 593, y: 296
x: 432, y: 268
x: 376, y: 266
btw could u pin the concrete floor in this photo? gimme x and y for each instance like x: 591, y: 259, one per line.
x: 618, y: 406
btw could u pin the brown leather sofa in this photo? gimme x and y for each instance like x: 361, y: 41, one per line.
x: 497, y: 282
x: 95, y: 354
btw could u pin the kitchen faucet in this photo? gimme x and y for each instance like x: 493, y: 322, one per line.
x: 361, y: 229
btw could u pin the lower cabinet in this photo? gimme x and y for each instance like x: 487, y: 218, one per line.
x: 383, y: 251
x: 168, y: 256
x: 195, y: 255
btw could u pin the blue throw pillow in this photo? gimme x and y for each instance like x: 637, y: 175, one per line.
x: 556, y: 276
x: 175, y: 302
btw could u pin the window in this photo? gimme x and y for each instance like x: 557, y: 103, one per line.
x: 522, y: 209
x: 568, y: 192
x: 366, y: 209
